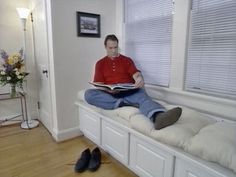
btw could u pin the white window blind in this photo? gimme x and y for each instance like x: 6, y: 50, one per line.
x: 211, y: 65
x: 148, y: 29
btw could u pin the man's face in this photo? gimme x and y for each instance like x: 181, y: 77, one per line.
x: 112, y: 48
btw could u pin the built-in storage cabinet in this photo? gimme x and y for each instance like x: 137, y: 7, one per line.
x: 141, y: 154
x: 90, y: 125
x: 148, y: 160
x: 115, y: 140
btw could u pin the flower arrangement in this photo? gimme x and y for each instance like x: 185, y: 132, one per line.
x: 12, y: 69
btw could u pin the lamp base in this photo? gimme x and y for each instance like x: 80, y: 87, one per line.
x: 29, y: 124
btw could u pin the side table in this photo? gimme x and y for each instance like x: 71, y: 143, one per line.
x: 21, y: 96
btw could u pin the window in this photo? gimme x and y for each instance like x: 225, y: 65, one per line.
x: 211, y: 65
x: 148, y: 28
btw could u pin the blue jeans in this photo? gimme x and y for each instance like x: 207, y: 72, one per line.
x: 137, y: 97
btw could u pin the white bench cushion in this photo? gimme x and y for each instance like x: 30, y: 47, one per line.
x: 80, y: 95
x: 127, y: 112
x: 216, y: 143
x: 185, y: 128
x: 142, y: 124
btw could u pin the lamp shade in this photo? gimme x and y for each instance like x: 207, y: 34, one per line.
x: 23, y: 12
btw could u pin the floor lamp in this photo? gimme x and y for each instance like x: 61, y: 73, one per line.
x: 23, y: 14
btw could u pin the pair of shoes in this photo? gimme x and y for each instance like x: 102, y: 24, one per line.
x: 91, y: 161
x: 167, y: 118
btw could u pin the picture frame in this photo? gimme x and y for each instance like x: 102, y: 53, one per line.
x: 88, y: 25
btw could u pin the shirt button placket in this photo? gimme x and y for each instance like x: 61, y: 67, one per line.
x: 113, y: 66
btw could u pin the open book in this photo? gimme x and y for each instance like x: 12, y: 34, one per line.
x: 119, y: 87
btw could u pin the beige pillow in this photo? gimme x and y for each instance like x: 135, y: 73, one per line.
x: 141, y: 123
x: 216, y: 143
x: 186, y: 127
x: 127, y: 111
x: 80, y: 95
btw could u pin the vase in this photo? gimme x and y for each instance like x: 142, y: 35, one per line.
x: 13, y: 90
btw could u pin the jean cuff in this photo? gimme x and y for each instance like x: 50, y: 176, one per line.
x: 151, y: 113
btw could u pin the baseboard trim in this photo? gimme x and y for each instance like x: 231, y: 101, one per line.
x: 66, y: 134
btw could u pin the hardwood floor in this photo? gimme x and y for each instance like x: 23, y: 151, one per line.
x: 34, y: 153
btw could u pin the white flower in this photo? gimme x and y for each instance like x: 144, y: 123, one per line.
x: 3, y: 72
x: 17, y: 73
x: 19, y: 77
x: 8, y: 78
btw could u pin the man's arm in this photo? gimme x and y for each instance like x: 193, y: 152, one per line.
x: 138, y: 78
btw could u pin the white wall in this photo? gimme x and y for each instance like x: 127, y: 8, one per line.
x: 10, y: 28
x: 11, y: 40
x: 74, y: 57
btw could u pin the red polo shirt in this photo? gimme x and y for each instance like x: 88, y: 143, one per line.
x: 113, y: 71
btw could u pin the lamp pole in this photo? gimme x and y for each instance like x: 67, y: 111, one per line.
x: 23, y: 14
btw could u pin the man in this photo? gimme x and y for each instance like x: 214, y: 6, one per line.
x: 116, y: 68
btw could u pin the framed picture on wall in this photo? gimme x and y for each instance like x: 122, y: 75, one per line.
x: 88, y: 25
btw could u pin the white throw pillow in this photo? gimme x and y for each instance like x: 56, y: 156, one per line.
x: 142, y: 124
x: 186, y: 127
x: 80, y: 95
x: 216, y: 143
x: 127, y: 112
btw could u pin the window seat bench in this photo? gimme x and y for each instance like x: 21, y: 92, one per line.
x: 197, y: 145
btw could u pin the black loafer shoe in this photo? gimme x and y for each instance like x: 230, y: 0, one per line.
x: 83, y: 161
x: 95, y: 160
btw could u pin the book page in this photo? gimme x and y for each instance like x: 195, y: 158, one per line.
x: 120, y: 87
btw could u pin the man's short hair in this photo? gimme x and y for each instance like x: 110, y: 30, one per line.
x: 111, y: 37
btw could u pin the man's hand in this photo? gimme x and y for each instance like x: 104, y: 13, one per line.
x: 139, y: 82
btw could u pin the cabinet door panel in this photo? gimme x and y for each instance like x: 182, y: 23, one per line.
x: 90, y: 125
x: 115, y: 141
x: 192, y: 169
x: 148, y: 160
